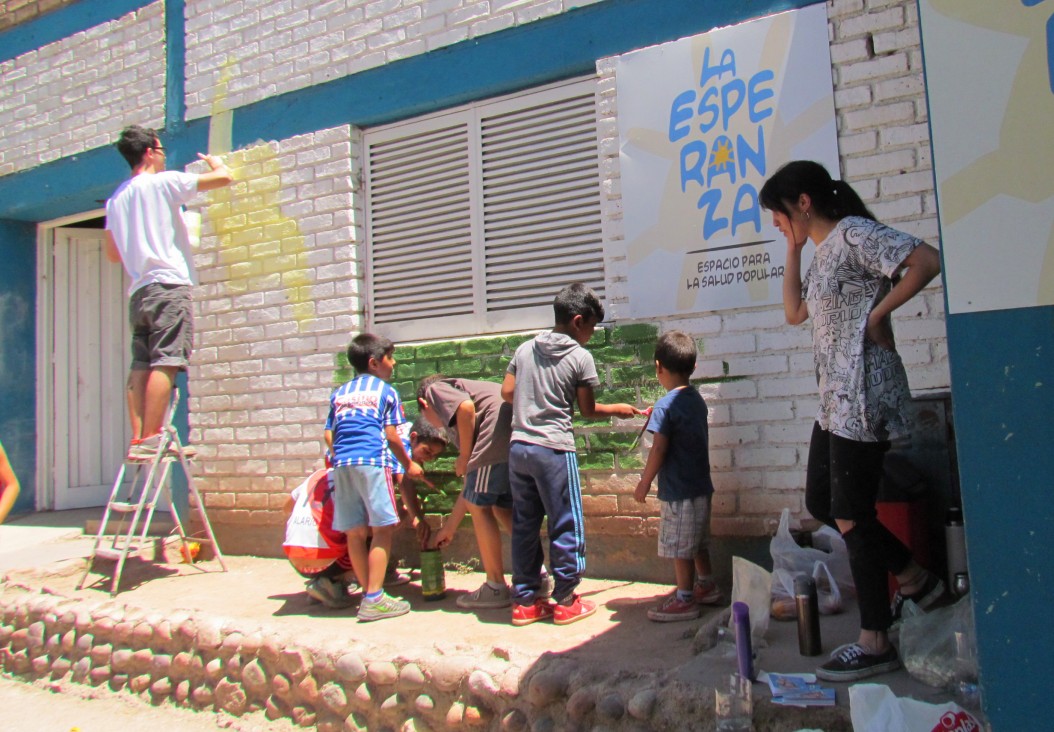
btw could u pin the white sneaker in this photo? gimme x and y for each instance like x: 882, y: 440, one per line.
x: 485, y: 598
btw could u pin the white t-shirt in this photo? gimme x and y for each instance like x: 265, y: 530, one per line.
x: 863, y: 387
x: 145, y: 216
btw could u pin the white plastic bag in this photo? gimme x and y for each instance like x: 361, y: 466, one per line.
x: 828, y: 594
x: 750, y: 584
x: 786, y: 554
x: 874, y: 708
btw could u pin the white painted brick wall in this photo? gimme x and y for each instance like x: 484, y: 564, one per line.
x: 270, y: 47
x: 78, y: 93
x: 884, y: 148
x: 280, y: 295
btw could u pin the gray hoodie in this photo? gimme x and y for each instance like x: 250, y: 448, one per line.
x: 548, y: 371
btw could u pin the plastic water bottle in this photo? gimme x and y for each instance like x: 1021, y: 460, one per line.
x: 808, y: 607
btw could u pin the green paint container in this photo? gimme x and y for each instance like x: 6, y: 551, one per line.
x: 433, y: 579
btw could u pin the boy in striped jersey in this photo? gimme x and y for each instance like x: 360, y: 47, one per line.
x: 364, y: 415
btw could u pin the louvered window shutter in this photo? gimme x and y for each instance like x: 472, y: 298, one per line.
x: 477, y: 217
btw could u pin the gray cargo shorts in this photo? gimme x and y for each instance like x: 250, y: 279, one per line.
x: 162, y: 326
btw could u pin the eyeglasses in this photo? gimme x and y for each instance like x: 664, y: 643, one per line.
x: 158, y: 148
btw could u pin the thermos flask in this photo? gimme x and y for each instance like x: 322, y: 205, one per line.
x: 808, y: 607
x: 955, y: 543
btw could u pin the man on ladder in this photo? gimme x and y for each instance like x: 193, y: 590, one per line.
x: 145, y: 231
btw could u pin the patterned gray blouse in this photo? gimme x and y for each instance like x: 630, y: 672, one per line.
x: 863, y: 387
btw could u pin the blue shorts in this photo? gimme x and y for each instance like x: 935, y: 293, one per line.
x: 363, y: 496
x: 488, y: 486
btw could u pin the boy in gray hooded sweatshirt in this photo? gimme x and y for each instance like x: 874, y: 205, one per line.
x: 545, y: 378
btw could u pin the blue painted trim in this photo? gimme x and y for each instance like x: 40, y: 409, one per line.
x: 175, y: 64
x: 544, y: 51
x: 62, y: 23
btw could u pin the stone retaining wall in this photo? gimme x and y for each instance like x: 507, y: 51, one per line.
x: 211, y: 663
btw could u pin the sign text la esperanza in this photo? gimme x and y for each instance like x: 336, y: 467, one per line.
x: 722, y: 102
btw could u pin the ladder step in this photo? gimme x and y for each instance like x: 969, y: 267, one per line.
x: 123, y: 507
x: 106, y: 552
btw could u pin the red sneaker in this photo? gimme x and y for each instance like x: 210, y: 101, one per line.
x: 673, y: 609
x: 577, y: 610
x: 708, y: 593
x: 527, y: 614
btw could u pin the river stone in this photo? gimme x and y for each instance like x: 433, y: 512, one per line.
x: 334, y: 698
x: 351, y: 668
x: 642, y: 704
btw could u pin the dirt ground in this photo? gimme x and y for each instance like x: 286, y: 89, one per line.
x: 619, y: 642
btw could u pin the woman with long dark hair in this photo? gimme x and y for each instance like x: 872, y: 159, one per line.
x: 861, y: 272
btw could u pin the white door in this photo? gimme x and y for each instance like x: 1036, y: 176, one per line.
x: 91, y: 350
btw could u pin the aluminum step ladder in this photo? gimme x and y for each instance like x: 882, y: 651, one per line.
x: 150, y: 485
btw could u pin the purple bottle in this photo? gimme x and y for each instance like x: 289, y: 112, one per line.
x: 744, y: 651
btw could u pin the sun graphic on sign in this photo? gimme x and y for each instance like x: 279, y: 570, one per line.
x: 721, y: 157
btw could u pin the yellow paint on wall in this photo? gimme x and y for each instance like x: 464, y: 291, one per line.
x: 260, y: 247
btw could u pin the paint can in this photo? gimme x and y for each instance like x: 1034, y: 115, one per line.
x: 433, y: 579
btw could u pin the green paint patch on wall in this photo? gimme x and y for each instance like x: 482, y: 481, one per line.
x: 625, y: 359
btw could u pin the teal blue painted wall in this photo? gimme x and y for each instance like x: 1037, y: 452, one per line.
x: 18, y: 344
x: 1000, y: 361
x: 1002, y: 367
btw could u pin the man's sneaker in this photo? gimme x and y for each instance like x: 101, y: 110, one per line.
x: 385, y: 607
x: 545, y: 590
x: 932, y: 591
x: 673, y: 609
x: 393, y: 577
x: 331, y: 593
x: 852, y: 663
x: 707, y: 593
x: 145, y: 450
x: 527, y: 614
x: 485, y: 598
x: 577, y: 609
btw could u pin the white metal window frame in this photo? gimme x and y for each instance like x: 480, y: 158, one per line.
x: 445, y: 292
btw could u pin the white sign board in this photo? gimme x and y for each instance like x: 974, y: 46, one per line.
x: 990, y: 82
x: 703, y: 121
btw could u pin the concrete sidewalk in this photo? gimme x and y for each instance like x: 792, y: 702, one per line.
x: 250, y: 641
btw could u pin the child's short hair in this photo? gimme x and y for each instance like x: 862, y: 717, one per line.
x: 577, y: 299
x: 426, y: 383
x: 675, y: 352
x: 365, y: 346
x: 427, y: 433
x: 134, y: 142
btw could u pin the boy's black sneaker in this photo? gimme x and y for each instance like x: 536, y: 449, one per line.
x: 852, y: 663
x: 926, y: 598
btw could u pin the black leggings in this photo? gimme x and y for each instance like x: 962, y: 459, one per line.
x: 842, y: 483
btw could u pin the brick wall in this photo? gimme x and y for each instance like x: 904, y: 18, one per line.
x: 13, y: 12
x: 280, y: 47
x: 78, y: 93
x: 280, y: 292
x: 760, y: 423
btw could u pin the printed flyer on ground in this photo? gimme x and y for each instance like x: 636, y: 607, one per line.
x: 703, y: 121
